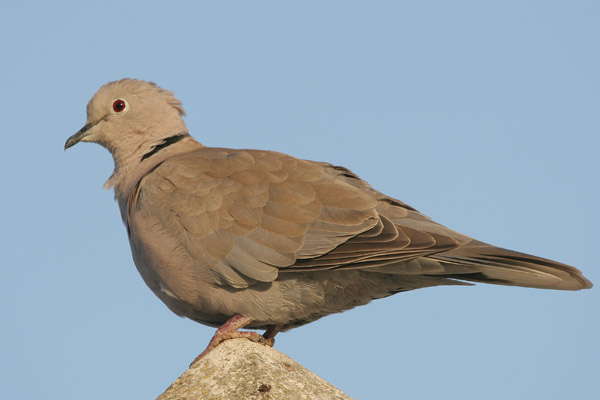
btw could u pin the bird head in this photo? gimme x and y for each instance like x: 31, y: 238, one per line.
x: 130, y: 116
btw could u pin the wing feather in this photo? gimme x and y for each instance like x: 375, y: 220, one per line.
x: 248, y: 215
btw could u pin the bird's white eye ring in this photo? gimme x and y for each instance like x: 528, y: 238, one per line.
x: 119, y: 106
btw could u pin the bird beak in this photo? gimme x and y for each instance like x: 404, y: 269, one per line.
x: 76, y: 138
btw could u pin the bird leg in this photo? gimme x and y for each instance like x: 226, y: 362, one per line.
x: 270, y: 333
x: 229, y: 330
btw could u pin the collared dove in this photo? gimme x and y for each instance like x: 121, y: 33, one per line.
x: 260, y: 239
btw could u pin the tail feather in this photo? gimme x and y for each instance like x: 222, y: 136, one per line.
x: 481, y: 262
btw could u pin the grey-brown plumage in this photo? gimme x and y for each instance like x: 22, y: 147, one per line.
x: 218, y: 233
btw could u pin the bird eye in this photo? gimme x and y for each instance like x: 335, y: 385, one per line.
x: 119, y: 105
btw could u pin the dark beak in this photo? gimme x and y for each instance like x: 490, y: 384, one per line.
x: 76, y: 138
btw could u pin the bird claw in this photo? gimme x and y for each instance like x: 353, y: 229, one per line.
x: 229, y: 330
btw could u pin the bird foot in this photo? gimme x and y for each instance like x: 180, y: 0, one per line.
x: 229, y: 330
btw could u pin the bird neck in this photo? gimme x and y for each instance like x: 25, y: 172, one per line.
x: 130, y: 168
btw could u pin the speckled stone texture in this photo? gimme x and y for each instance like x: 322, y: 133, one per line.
x: 240, y: 369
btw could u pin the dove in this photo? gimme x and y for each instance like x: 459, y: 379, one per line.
x: 235, y: 238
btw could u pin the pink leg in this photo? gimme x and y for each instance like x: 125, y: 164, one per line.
x: 270, y: 333
x: 229, y: 331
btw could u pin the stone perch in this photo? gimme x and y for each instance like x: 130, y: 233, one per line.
x: 240, y: 369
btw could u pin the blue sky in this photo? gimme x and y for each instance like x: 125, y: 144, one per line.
x: 482, y: 115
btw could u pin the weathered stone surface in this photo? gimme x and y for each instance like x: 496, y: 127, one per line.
x: 240, y: 369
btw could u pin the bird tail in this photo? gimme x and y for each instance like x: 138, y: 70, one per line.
x: 480, y: 262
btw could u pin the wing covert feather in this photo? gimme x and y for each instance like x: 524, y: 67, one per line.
x: 255, y: 212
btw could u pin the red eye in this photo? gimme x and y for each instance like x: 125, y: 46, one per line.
x: 119, y: 105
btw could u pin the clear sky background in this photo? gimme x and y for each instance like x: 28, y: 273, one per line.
x: 482, y: 115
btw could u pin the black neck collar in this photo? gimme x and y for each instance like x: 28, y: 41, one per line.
x: 165, y: 143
